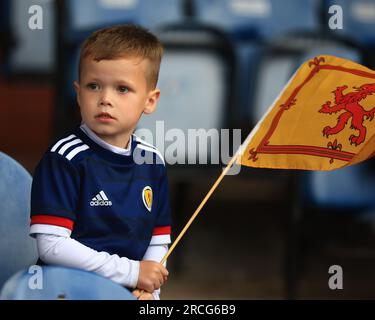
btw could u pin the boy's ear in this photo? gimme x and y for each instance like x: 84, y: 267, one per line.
x: 77, y: 89
x: 152, y: 101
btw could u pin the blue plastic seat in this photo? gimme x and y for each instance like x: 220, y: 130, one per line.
x: 276, y: 66
x: 347, y: 188
x: 195, y: 81
x: 261, y: 18
x: 17, y: 248
x: 51, y: 283
x: 278, y: 62
x: 84, y: 16
x: 351, y: 188
x: 32, y: 51
x: 249, y: 24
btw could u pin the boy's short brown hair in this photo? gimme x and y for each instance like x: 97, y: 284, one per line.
x: 124, y: 41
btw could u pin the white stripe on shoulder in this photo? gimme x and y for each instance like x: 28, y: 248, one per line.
x: 60, y: 142
x: 66, y: 146
x: 77, y: 150
x: 141, y: 146
x: 138, y: 139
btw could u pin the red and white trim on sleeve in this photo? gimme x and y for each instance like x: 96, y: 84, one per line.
x: 52, y: 220
x: 162, y: 231
x: 161, y: 236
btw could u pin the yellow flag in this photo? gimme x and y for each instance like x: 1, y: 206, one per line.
x: 322, y: 120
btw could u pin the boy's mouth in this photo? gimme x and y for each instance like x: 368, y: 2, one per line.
x: 104, y: 116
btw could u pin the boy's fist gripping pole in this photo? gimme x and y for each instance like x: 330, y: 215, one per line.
x: 152, y: 275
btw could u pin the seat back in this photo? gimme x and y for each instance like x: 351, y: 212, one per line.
x: 250, y: 24
x: 51, y: 283
x: 258, y: 18
x: 34, y: 49
x: 17, y: 248
x: 89, y: 15
x: 195, y: 81
x: 347, y: 188
x: 277, y: 65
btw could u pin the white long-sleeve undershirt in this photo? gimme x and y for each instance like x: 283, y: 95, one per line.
x: 65, y: 251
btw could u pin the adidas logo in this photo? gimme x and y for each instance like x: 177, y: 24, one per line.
x: 100, y: 200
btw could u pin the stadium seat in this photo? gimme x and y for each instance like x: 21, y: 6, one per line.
x: 17, y: 248
x: 350, y: 188
x: 249, y: 24
x: 33, y: 50
x: 358, y: 20
x: 259, y: 18
x: 279, y: 60
x: 327, y: 189
x: 347, y: 188
x: 84, y: 16
x: 58, y: 283
x: 195, y: 82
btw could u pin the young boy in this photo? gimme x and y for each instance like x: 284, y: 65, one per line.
x: 98, y: 202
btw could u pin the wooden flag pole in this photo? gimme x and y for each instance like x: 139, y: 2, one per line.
x: 208, y: 195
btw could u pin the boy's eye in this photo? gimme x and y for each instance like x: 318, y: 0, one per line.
x: 93, y: 86
x: 123, y: 89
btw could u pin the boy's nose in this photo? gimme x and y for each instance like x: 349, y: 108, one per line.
x: 105, y: 99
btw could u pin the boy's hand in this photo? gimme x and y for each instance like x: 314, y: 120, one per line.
x: 146, y: 296
x: 142, y: 295
x: 152, y: 275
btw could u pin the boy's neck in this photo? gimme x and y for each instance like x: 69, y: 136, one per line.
x: 104, y: 144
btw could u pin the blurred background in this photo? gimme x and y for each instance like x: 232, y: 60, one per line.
x: 264, y: 234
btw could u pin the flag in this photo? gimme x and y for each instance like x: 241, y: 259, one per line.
x: 322, y: 120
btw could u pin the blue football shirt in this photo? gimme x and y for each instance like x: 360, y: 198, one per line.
x: 110, y: 202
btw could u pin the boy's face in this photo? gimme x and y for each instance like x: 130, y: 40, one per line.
x: 112, y: 95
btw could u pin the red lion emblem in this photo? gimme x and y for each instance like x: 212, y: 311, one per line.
x: 350, y: 103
